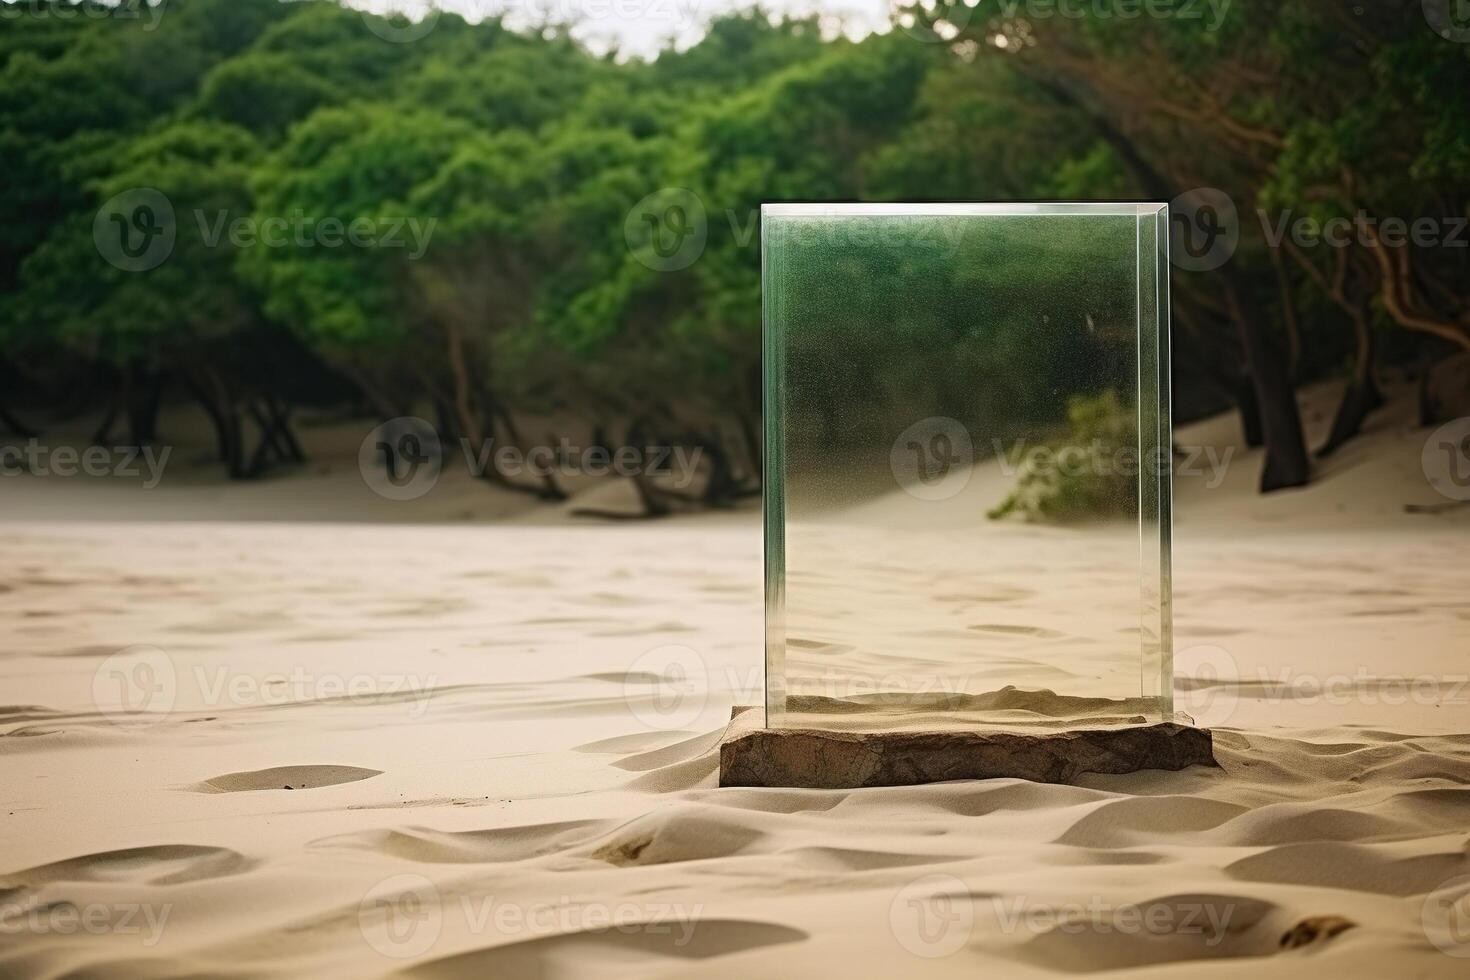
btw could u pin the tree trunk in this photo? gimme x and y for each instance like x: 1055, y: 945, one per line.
x: 1250, y: 411
x: 276, y: 438
x: 724, y: 486
x: 1288, y: 316
x: 469, y: 422
x: 82, y: 397
x: 1429, y: 413
x: 206, y: 402
x: 1362, y: 396
x: 550, y: 489
x: 264, y: 448
x: 379, y: 401
x: 1287, y: 462
x: 103, y: 433
x: 648, y: 496
x: 444, y: 416
x: 752, y: 444
x: 235, y: 445
x: 223, y: 410
x: 288, y: 438
x: 145, y: 396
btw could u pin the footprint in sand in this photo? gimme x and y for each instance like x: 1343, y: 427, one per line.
x: 625, y: 677
x: 1137, y: 821
x: 678, y: 834
x: 654, y: 946
x: 1005, y: 629
x: 284, y: 777
x: 997, y: 595
x: 1180, y: 928
x: 772, y: 800
x: 496, y: 845
x: 636, y: 742
x: 12, y: 713
x: 162, y: 864
x: 1350, y: 867
x: 836, y: 649
x: 98, y: 650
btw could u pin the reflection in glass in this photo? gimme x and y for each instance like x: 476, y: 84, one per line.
x: 967, y: 479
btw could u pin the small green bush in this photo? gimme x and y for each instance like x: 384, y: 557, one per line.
x: 1088, y: 473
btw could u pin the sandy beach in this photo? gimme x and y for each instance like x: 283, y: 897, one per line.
x: 302, y: 741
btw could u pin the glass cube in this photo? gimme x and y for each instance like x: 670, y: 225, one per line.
x: 967, y: 490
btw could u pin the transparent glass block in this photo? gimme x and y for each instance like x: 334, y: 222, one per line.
x: 967, y: 465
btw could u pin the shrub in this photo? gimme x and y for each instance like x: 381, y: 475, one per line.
x: 1081, y: 475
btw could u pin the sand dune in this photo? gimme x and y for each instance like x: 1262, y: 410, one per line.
x: 493, y: 773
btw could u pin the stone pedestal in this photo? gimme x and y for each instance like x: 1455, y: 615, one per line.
x: 751, y: 755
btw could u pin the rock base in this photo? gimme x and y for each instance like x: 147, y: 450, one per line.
x: 754, y: 756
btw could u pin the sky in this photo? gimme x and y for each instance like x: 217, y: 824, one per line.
x: 641, y: 27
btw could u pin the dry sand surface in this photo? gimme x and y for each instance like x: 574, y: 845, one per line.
x: 453, y: 750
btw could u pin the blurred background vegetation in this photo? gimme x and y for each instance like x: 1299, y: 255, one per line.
x: 531, y: 297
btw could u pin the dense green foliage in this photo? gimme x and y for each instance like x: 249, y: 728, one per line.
x: 453, y: 224
x: 939, y: 317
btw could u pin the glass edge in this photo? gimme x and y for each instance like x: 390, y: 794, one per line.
x: 1154, y: 455
x: 1166, y: 474
x: 962, y: 208
x: 773, y: 501
x: 1154, y: 413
